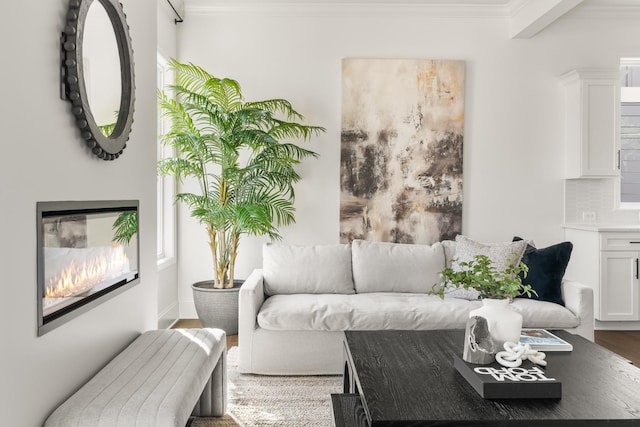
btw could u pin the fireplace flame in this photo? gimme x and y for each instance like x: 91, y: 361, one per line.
x: 78, y: 277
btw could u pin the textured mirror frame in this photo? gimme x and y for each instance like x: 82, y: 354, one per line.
x: 74, y: 82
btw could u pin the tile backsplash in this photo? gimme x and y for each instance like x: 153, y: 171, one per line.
x: 594, y: 200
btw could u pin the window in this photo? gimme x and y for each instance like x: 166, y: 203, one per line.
x: 166, y: 186
x: 630, y: 130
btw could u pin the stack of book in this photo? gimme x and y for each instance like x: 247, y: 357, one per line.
x: 543, y: 340
x: 527, y: 381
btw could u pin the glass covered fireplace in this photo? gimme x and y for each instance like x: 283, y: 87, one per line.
x: 87, y: 253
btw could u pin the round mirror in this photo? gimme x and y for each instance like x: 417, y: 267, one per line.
x: 98, y: 74
x: 101, y: 68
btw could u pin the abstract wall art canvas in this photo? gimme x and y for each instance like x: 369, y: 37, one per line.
x: 401, y: 150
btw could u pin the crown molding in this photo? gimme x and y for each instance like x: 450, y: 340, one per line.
x: 432, y: 8
x: 619, y: 11
x: 496, y: 9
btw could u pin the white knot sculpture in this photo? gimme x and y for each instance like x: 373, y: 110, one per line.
x: 514, y: 354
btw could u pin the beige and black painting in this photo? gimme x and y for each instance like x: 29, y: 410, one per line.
x: 401, y: 150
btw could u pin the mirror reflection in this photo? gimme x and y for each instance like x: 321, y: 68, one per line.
x: 101, y: 67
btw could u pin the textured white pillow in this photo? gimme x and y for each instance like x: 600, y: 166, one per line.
x: 449, y: 251
x: 500, y: 254
x: 321, y: 269
x: 396, y: 267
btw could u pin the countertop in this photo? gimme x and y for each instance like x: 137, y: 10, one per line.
x: 602, y: 227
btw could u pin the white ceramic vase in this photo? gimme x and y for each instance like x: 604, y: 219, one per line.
x: 504, y: 323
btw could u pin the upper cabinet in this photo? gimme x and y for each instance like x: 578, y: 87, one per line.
x: 591, y: 134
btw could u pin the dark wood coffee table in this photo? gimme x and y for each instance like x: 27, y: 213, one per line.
x: 407, y: 378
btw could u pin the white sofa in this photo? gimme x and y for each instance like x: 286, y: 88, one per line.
x: 293, y: 311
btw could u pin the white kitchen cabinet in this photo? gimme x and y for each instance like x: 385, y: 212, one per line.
x: 608, y: 260
x: 591, y: 123
x: 619, y: 285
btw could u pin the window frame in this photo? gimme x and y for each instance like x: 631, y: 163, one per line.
x: 624, y: 62
x: 166, y: 186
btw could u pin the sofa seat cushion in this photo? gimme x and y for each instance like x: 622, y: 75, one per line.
x: 368, y: 311
x: 391, y: 310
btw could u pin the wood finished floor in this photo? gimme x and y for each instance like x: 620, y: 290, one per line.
x: 624, y: 343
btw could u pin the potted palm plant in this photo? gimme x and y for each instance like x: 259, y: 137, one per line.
x: 242, y: 157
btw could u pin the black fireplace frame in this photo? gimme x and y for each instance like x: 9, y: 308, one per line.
x: 64, y: 207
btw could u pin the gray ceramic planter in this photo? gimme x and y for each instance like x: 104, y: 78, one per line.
x: 217, y: 308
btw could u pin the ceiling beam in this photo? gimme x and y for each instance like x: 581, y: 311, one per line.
x: 535, y: 15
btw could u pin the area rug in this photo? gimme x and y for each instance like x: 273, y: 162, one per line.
x: 265, y: 401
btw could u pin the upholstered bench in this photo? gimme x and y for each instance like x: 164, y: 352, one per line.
x: 159, y: 380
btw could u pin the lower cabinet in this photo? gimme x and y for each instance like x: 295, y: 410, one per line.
x: 608, y: 260
x: 619, y: 285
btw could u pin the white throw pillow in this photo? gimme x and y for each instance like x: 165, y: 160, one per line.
x: 321, y: 269
x: 500, y: 254
x: 396, y: 267
x: 449, y: 251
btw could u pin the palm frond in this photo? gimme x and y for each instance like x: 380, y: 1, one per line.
x: 255, y: 220
x: 226, y: 93
x: 179, y: 167
x: 277, y: 106
x: 190, y: 76
x: 125, y: 227
x: 294, y: 130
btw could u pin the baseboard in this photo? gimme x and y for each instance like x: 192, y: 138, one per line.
x: 169, y: 316
x: 617, y: 326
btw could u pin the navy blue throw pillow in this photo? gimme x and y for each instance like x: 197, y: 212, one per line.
x: 546, y: 270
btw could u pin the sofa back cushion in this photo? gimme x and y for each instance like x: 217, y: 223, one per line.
x: 396, y: 267
x: 502, y: 254
x: 321, y: 269
x: 449, y: 252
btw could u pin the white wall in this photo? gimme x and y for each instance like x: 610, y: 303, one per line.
x: 513, y: 126
x: 44, y: 158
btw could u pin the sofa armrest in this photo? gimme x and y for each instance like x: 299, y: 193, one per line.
x: 579, y: 299
x: 250, y: 300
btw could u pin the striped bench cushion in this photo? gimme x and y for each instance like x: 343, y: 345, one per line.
x: 156, y: 381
